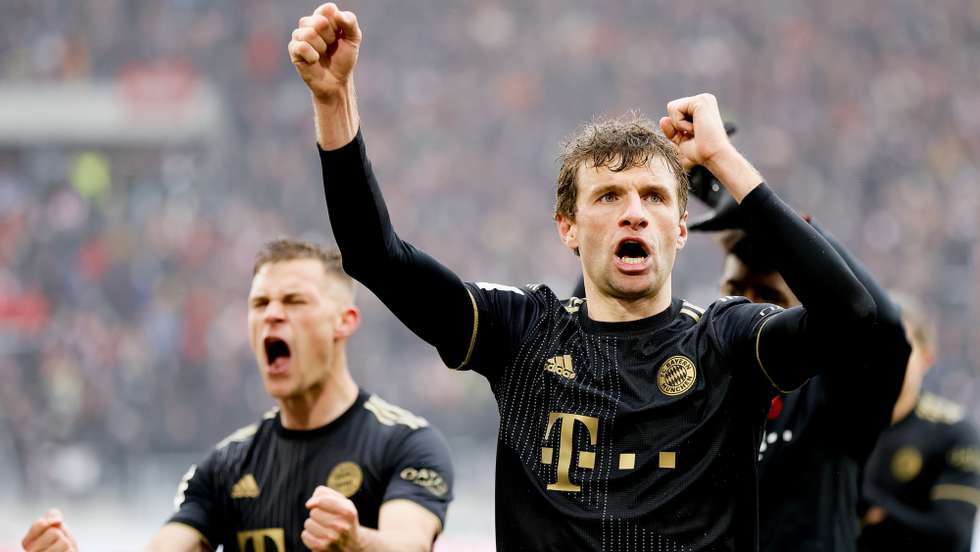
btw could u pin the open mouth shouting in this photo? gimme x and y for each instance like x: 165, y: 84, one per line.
x: 632, y: 255
x: 277, y: 355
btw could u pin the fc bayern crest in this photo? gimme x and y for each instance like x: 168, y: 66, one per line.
x: 676, y: 375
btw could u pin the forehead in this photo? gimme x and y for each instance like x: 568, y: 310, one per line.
x: 654, y: 173
x: 289, y: 276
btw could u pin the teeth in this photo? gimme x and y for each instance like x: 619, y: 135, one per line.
x: 632, y: 260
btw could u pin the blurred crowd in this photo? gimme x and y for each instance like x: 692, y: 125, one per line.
x: 124, y: 267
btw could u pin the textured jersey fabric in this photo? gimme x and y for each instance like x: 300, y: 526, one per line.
x: 623, y: 436
x: 925, y: 474
x: 254, y: 484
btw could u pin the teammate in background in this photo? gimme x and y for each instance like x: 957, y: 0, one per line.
x: 333, y: 467
x: 632, y: 420
x: 922, y: 483
x: 819, y: 437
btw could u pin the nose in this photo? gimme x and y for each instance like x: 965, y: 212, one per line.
x: 634, y: 215
x: 274, y: 312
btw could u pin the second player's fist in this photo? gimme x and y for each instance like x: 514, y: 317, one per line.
x: 324, y: 49
x: 333, y: 524
x: 49, y: 534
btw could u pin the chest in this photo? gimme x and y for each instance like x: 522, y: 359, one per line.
x: 265, y: 496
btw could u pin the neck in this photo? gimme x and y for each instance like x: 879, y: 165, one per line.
x: 904, y: 406
x: 606, y: 308
x: 324, y: 401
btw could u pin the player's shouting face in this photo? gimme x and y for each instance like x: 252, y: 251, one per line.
x: 297, y: 314
x: 628, y: 227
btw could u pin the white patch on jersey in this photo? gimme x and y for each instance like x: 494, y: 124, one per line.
x: 787, y: 435
x: 499, y: 287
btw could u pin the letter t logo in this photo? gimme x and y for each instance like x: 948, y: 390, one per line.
x: 586, y: 459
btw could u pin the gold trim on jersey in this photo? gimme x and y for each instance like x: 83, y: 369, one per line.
x: 938, y: 410
x: 962, y: 493
x: 476, y: 326
x: 238, y: 436
x: 758, y: 357
x: 965, y: 458
x: 247, y: 487
x: 692, y: 310
x: 573, y: 304
x: 389, y: 414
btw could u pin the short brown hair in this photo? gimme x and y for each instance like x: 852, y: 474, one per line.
x: 288, y: 249
x: 617, y: 144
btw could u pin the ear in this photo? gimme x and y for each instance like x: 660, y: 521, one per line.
x: 682, y: 231
x: 350, y: 320
x: 568, y: 231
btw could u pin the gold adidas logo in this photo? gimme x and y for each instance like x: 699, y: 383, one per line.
x: 246, y: 487
x: 560, y: 365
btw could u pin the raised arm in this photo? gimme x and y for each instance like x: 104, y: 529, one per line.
x: 428, y: 298
x: 834, y: 302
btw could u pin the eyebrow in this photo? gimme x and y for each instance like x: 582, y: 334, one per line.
x: 602, y: 189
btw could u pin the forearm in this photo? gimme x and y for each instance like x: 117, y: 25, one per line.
x: 811, y: 267
x: 409, y: 282
x: 336, y: 118
x: 886, y: 310
x: 735, y: 173
x: 373, y: 540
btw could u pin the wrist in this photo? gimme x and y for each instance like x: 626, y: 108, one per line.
x: 725, y: 156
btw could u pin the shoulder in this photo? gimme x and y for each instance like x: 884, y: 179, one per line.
x: 235, y: 444
x: 384, y: 414
x: 938, y: 410
x: 401, y: 431
x: 737, y: 310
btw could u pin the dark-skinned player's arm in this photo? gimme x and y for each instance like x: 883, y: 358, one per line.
x: 324, y: 50
x: 835, y: 303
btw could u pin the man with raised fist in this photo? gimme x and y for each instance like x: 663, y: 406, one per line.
x: 630, y: 420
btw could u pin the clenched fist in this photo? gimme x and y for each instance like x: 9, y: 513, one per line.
x: 324, y: 49
x: 49, y: 534
x: 694, y: 124
x: 333, y: 523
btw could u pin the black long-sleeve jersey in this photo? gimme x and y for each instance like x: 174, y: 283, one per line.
x: 819, y: 437
x: 925, y: 474
x: 250, y: 491
x: 640, y: 435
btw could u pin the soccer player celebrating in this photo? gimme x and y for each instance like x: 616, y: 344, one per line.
x: 922, y: 483
x: 333, y: 468
x: 819, y: 437
x: 632, y: 420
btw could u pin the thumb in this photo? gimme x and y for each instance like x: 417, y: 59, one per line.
x: 54, y: 515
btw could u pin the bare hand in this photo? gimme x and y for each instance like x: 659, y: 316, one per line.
x: 875, y: 515
x: 694, y: 124
x: 49, y: 534
x: 324, y: 49
x: 333, y: 523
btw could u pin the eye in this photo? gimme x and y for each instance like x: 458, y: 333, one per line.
x: 655, y: 197
x: 259, y: 303
x: 607, y: 197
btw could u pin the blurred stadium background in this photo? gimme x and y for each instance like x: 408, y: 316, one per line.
x: 148, y: 148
